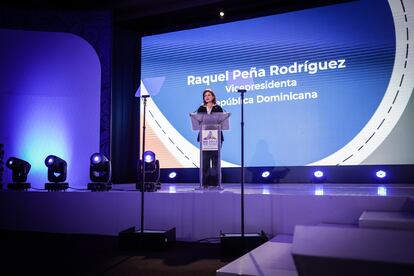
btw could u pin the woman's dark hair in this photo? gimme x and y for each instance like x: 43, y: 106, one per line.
x: 212, y: 93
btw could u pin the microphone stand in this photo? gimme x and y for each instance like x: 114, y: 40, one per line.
x: 234, y: 244
x: 154, y: 239
x: 144, y: 97
x: 242, y: 91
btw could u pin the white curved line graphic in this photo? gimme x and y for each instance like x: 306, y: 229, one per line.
x: 394, y: 101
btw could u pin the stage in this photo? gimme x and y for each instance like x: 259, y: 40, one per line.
x: 199, y: 214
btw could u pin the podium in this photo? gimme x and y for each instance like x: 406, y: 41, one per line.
x: 210, y: 127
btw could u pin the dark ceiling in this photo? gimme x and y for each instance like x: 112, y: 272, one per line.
x: 149, y: 16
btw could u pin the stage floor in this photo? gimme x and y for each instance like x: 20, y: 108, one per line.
x: 199, y: 214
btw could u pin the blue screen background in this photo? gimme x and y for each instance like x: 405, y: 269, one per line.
x: 285, y: 133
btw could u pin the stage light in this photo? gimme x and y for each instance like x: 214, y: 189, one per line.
x: 381, y: 174
x: 149, y: 157
x: 318, y: 176
x: 221, y: 13
x: 100, y: 173
x: 172, y: 175
x: 20, y: 169
x: 265, y: 174
x: 56, y: 173
x: 152, y: 172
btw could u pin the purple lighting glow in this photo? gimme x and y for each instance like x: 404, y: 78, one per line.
x: 56, y: 78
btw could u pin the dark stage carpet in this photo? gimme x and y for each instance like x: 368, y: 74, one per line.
x: 66, y: 254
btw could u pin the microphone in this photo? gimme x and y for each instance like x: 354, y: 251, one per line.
x: 145, y: 96
x: 241, y: 90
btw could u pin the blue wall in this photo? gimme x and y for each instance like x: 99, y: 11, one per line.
x: 49, y: 101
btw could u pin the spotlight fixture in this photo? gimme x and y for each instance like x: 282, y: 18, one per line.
x: 100, y: 172
x: 20, y: 169
x: 318, y: 176
x: 149, y: 156
x: 265, y: 174
x: 381, y: 174
x: 172, y: 175
x: 221, y: 14
x: 56, y: 173
x: 151, y: 166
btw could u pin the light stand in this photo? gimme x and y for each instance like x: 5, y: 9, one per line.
x: 239, y: 244
x: 144, y: 97
x: 130, y: 238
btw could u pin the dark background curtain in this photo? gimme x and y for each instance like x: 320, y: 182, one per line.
x: 125, y: 106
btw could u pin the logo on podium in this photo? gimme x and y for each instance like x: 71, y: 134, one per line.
x: 209, y: 139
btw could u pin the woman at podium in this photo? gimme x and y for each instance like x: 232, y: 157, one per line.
x: 210, y: 158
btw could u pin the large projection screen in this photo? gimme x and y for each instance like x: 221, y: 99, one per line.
x: 325, y: 86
